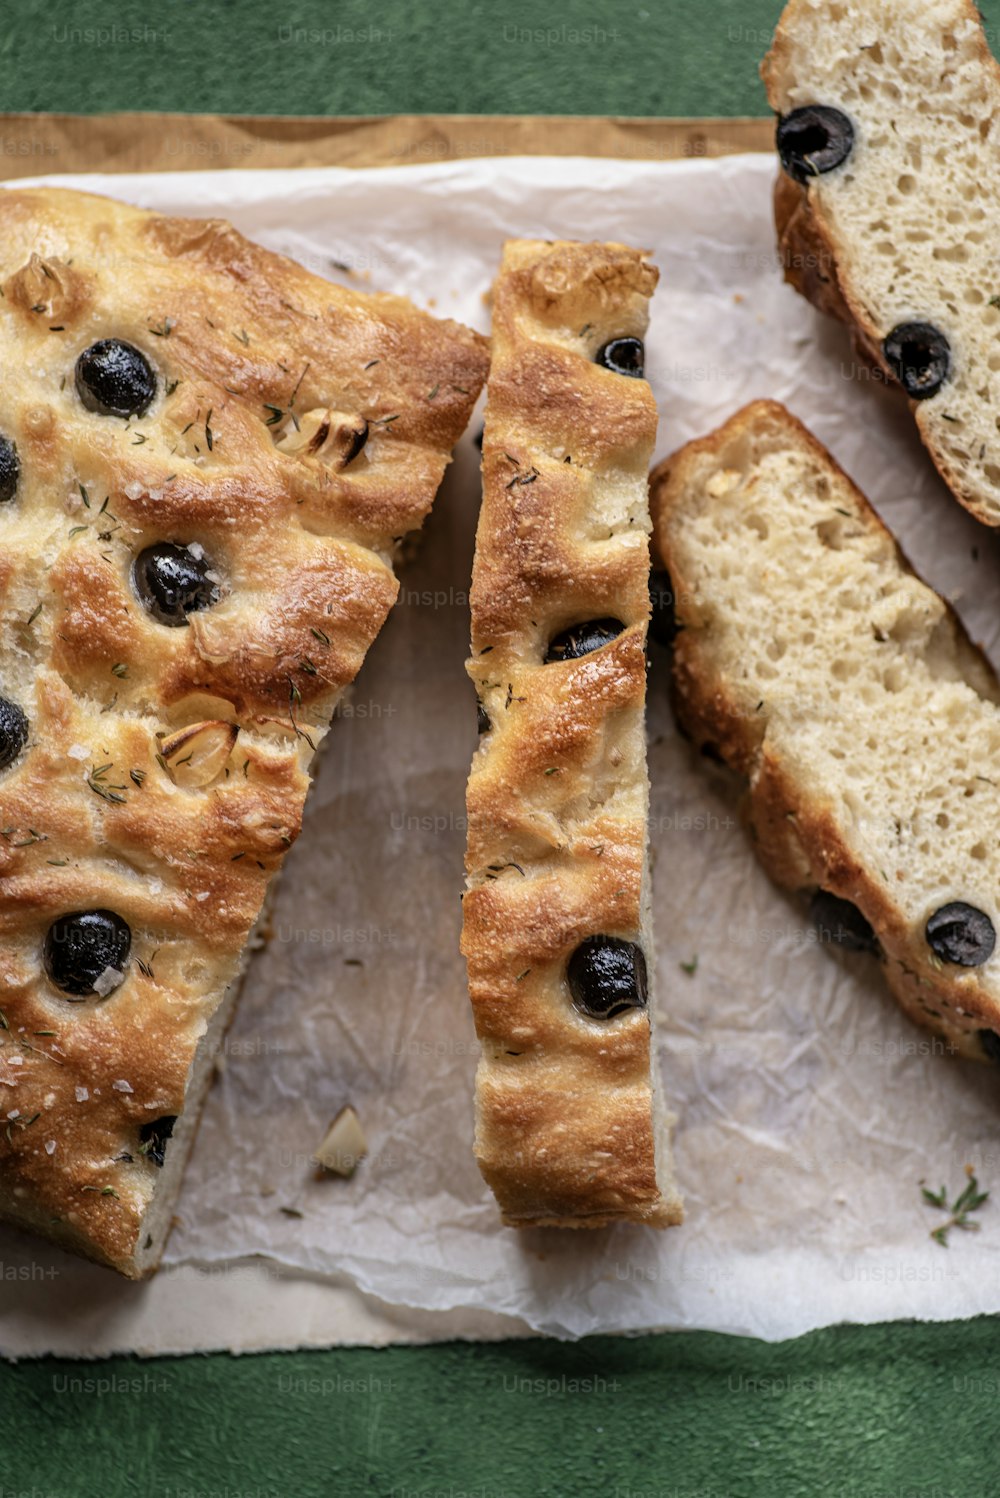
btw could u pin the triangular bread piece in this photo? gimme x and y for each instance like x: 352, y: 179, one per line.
x: 887, y: 206
x: 207, y: 457
x: 812, y: 660
x: 570, y: 1131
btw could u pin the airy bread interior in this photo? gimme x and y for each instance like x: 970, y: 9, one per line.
x: 848, y: 692
x: 910, y: 215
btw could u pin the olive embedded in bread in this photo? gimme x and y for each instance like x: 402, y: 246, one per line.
x: 10, y: 470
x: 13, y: 731
x: 85, y: 950
x: 663, y: 616
x: 961, y: 934
x: 814, y: 140
x: 482, y: 718
x: 114, y: 378
x: 624, y: 356
x: 173, y: 581
x: 990, y: 1042
x: 919, y: 355
x: 154, y: 1136
x: 842, y: 923
x: 607, y: 976
x: 581, y: 639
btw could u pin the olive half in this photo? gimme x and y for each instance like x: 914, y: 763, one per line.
x: 840, y: 922
x: 961, y: 934
x: 919, y: 355
x: 10, y: 470
x: 13, y: 731
x: 154, y: 1136
x: 81, y: 947
x: 624, y: 356
x: 814, y: 140
x: 114, y: 379
x: 581, y: 639
x: 172, y: 582
x: 607, y: 976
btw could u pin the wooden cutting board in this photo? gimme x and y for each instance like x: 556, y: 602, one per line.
x: 41, y: 144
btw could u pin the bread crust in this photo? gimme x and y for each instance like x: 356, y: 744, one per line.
x: 796, y: 833
x: 94, y: 816
x: 820, y: 264
x: 557, y: 796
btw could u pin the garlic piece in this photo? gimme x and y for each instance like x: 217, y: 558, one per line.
x: 345, y: 1144
x: 335, y: 436
x: 197, y: 755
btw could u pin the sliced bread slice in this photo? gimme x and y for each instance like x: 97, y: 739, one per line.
x: 887, y: 206
x: 557, y: 932
x: 813, y: 661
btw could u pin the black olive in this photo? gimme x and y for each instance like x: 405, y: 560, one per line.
x: 624, y: 356
x: 154, y: 1136
x: 961, y: 934
x: 478, y: 438
x: 990, y: 1042
x: 115, y: 379
x: 81, y: 946
x: 842, y: 923
x: 10, y: 470
x: 482, y: 718
x: 172, y: 582
x: 607, y: 976
x: 13, y: 732
x: 813, y: 140
x: 663, y: 626
x: 919, y: 355
x: 581, y: 639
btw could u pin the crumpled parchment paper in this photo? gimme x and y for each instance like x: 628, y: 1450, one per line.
x: 809, y: 1109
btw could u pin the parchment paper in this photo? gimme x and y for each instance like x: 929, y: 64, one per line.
x: 809, y: 1109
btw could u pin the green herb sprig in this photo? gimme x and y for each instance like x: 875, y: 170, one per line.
x: 970, y: 1199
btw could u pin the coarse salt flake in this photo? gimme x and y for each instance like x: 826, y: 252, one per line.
x: 50, y: 1146
x: 108, y: 980
x: 82, y: 1094
x: 121, y: 1085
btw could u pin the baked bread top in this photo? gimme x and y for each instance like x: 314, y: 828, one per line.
x: 207, y: 455
x: 813, y: 660
x: 566, y: 1133
x: 886, y: 204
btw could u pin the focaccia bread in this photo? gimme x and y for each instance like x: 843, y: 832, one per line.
x: 207, y: 455
x: 887, y: 206
x: 815, y: 663
x: 569, y: 1129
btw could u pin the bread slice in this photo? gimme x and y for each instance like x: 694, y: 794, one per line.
x: 206, y: 457
x: 557, y: 931
x: 813, y: 660
x: 888, y: 203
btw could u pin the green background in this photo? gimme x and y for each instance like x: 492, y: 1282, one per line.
x: 879, y: 1412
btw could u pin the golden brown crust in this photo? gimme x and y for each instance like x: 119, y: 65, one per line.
x: 796, y: 834
x: 92, y: 815
x: 557, y: 796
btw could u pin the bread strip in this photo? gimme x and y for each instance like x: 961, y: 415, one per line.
x: 567, y: 1129
x: 813, y: 660
x: 902, y: 231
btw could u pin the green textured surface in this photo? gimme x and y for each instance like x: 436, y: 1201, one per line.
x: 397, y: 57
x: 840, y: 1414
x: 879, y: 1412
